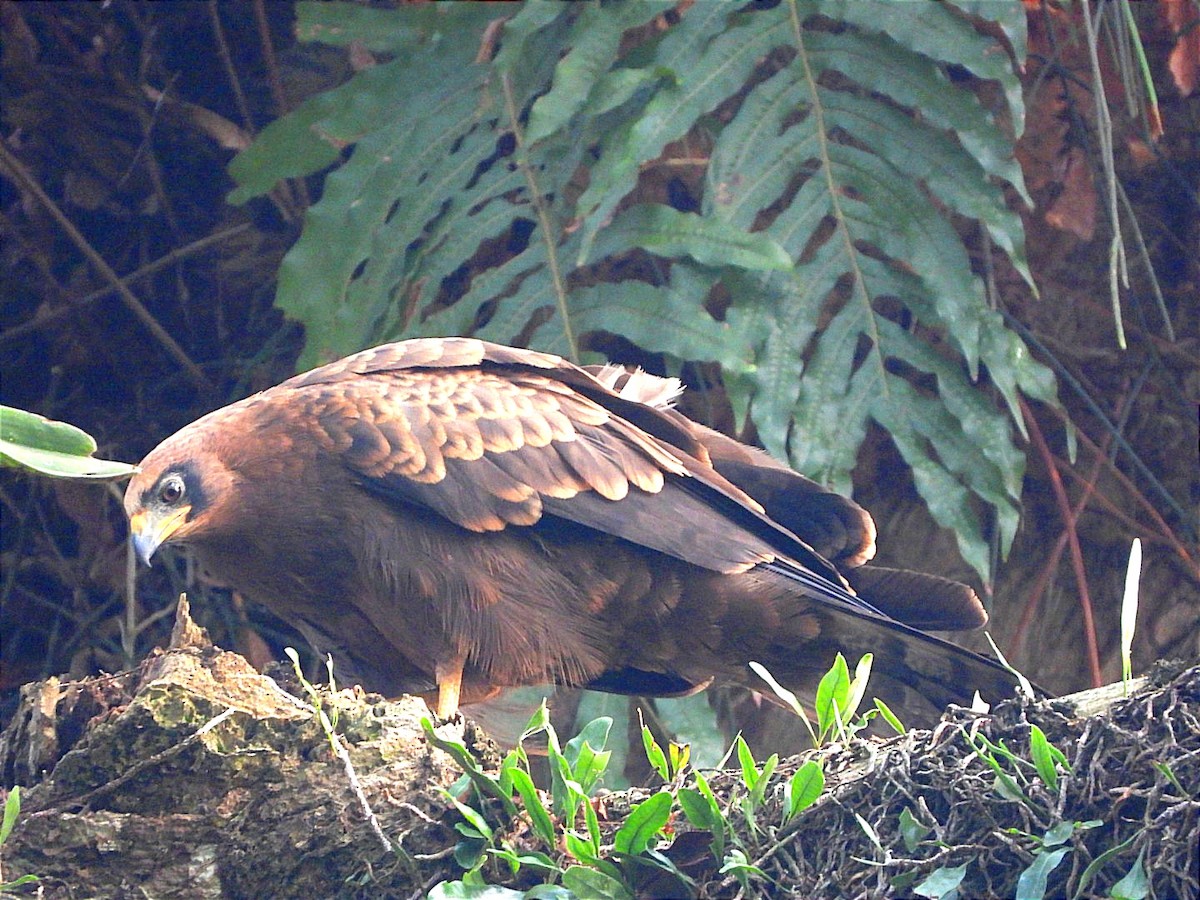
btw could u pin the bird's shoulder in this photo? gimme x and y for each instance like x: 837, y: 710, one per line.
x: 480, y: 433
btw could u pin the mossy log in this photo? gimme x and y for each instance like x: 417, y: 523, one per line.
x: 195, y: 776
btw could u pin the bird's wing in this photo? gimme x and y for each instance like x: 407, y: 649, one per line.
x: 491, y: 437
x: 836, y: 527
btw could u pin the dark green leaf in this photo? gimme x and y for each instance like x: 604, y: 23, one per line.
x: 473, y: 816
x: 1033, y: 881
x: 382, y: 30
x: 582, y: 847
x: 1059, y: 834
x: 1100, y: 862
x: 585, y: 753
x: 804, y: 788
x: 52, y: 448
x: 598, y: 704
x: 538, y: 816
x: 593, y: 43
x: 643, y: 824
x: 1136, y: 883
x: 585, y: 882
x: 549, y: 892
x: 697, y: 809
x: 470, y: 850
x: 942, y: 883
x: 717, y: 823
x: 764, y: 780
x: 912, y: 830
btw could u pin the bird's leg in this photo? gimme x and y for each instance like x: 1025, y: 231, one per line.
x: 449, y: 675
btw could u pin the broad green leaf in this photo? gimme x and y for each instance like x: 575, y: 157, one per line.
x: 833, y: 692
x: 582, y: 847
x: 643, y: 824
x: 594, y: 734
x: 58, y: 449
x: 1101, y: 861
x: 522, y: 30
x: 17, y: 882
x: 763, y: 781
x: 918, y: 82
x: 474, y: 818
x: 31, y: 430
x: 737, y: 863
x: 942, y: 882
x: 637, y: 311
x: 381, y: 30
x: 1059, y: 834
x: 917, y: 425
x: 717, y: 820
x: 1009, y: 17
x: 858, y: 685
x: 696, y: 807
x: 708, y: 61
x: 803, y: 789
x: 1006, y: 786
x: 593, y: 825
x: 939, y: 32
x: 315, y: 133
x: 750, y: 770
x: 912, y: 830
x: 1135, y: 885
x: 483, y: 781
x: 585, y: 882
x: 591, y: 767
x: 549, y: 892
x: 471, y: 850
x: 1033, y: 881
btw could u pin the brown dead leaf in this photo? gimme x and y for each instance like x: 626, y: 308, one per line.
x: 1074, y: 210
x: 1184, y: 62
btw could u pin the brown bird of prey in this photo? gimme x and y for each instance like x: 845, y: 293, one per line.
x: 459, y: 517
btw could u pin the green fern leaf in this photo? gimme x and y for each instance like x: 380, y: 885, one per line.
x: 515, y: 200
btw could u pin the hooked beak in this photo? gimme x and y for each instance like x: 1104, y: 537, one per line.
x: 148, y: 531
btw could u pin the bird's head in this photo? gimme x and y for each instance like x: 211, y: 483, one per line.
x: 177, y: 495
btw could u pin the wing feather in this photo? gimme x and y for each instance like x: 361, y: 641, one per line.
x: 492, y: 436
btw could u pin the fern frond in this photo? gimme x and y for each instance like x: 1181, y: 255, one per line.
x: 515, y: 199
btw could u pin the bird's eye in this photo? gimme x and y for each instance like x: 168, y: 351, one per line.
x: 172, y: 491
